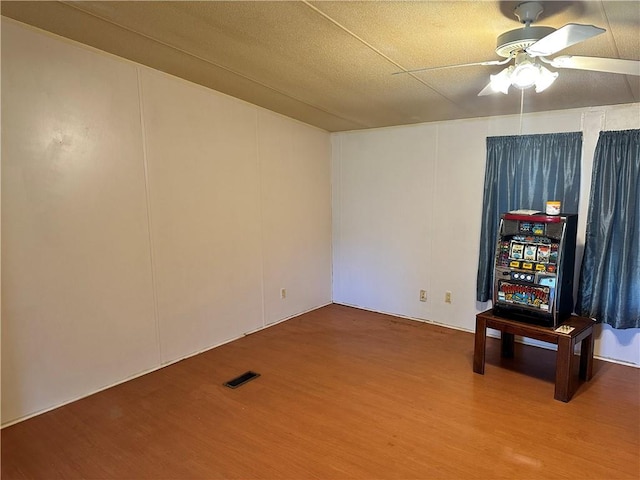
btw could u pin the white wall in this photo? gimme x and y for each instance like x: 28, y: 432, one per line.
x: 144, y: 219
x: 407, y: 204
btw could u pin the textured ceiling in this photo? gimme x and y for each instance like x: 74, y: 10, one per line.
x: 330, y: 64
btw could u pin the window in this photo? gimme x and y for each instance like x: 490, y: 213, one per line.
x: 609, y: 285
x: 524, y: 172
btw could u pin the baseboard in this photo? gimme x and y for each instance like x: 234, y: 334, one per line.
x: 524, y: 341
x: 153, y: 369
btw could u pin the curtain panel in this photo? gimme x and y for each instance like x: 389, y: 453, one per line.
x: 609, y: 284
x: 524, y: 172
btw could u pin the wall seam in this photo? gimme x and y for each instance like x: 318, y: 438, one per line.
x: 336, y: 250
x: 261, y: 206
x: 147, y: 190
x: 431, y: 298
x: 333, y: 175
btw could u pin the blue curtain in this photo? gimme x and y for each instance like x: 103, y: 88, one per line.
x: 609, y: 285
x: 524, y: 172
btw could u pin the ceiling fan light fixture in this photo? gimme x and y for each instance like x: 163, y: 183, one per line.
x: 546, y: 78
x: 526, y: 72
x: 502, y: 81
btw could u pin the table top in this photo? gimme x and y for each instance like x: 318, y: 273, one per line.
x: 578, y: 323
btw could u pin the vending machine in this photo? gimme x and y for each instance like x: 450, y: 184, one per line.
x: 534, y: 266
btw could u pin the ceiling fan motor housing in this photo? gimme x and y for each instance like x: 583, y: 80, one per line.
x: 528, y: 12
x: 514, y: 41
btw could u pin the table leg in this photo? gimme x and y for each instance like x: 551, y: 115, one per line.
x: 563, y: 369
x: 480, y: 344
x: 508, y: 342
x: 586, y: 357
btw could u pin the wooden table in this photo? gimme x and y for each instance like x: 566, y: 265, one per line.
x: 582, y: 332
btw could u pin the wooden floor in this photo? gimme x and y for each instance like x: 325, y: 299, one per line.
x: 343, y: 393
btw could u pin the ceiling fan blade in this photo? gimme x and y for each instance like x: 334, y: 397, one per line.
x: 498, y: 83
x: 487, y: 91
x: 562, y: 38
x: 490, y: 62
x: 597, y: 64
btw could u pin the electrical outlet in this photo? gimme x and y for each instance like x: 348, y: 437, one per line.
x: 423, y: 295
x: 283, y: 293
x: 447, y: 297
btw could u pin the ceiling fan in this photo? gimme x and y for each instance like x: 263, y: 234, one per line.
x: 529, y: 48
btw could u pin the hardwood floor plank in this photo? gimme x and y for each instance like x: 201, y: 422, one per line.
x: 343, y: 393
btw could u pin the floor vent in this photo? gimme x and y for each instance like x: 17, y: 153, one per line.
x: 242, y: 379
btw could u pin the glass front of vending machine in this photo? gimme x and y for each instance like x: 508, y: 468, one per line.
x: 534, y: 266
